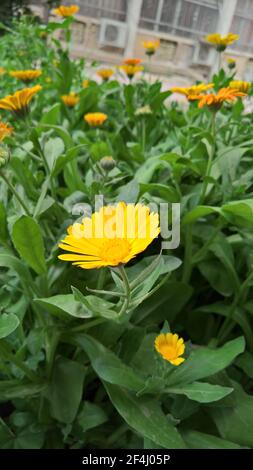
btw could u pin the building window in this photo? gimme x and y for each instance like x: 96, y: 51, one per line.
x: 243, y: 25
x: 113, y: 9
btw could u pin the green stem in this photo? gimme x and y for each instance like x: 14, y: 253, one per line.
x: 14, y: 192
x: 127, y: 288
x: 210, y: 159
x: 143, y: 135
x: 4, y: 350
x: 187, y: 255
x: 87, y: 325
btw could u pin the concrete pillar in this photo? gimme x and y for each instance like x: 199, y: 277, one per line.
x: 133, y: 17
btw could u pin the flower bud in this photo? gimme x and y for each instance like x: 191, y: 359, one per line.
x: 107, y: 163
x: 4, y: 155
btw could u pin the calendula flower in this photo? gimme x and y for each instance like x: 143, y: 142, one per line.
x: 221, y: 42
x: 151, y: 46
x: 105, y: 74
x: 131, y: 70
x: 240, y: 85
x: 86, y: 83
x: 132, y: 61
x: 215, y: 101
x: 26, y: 75
x: 5, y: 130
x: 70, y: 100
x: 2, y: 71
x: 110, y: 237
x: 171, y: 347
x: 193, y: 90
x: 95, y: 119
x: 19, y: 101
x: 66, y: 11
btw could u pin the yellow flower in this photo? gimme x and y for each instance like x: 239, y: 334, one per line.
x: 112, y: 236
x: 131, y: 70
x: 151, y: 46
x: 221, y: 42
x: 2, y: 71
x: 215, y: 101
x: 132, y: 61
x: 70, y: 100
x: 65, y: 11
x: 192, y: 90
x: 105, y: 74
x: 86, y: 83
x: 95, y: 119
x: 5, y: 130
x: 171, y: 347
x: 26, y: 75
x: 19, y: 101
x: 240, y: 85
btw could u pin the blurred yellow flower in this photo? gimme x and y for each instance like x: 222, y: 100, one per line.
x: 26, y: 75
x: 19, y: 101
x: 5, y: 130
x: 2, y: 70
x: 86, y: 83
x: 65, y: 11
x: 151, y: 46
x: 112, y: 236
x: 131, y: 70
x: 70, y: 100
x: 105, y: 74
x: 221, y: 42
x: 132, y: 61
x: 95, y: 119
x: 170, y: 347
x: 240, y: 85
x: 215, y: 101
x: 193, y: 90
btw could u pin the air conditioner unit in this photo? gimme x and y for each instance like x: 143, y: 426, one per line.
x: 112, y: 33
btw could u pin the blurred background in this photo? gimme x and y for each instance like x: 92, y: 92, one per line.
x: 109, y: 30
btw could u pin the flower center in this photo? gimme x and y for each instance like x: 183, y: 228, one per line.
x: 115, y: 250
x: 168, y: 351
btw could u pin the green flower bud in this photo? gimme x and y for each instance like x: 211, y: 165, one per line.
x: 107, y: 163
x: 4, y: 155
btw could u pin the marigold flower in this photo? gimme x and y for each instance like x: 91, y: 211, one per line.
x: 132, y: 61
x: 192, y: 90
x: 215, y: 101
x: 86, y: 83
x: 5, y: 130
x: 26, y: 75
x: 131, y: 70
x: 240, y: 85
x: 221, y: 42
x: 105, y: 74
x: 171, y: 347
x: 70, y: 100
x: 112, y: 236
x: 65, y: 11
x: 19, y: 101
x: 2, y: 70
x: 151, y: 46
x: 95, y: 119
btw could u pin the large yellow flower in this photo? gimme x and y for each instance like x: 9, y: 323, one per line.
x: 70, y: 100
x: 19, y: 101
x: 110, y: 237
x: 240, y: 85
x: 5, y: 130
x: 105, y: 74
x: 221, y: 42
x: 26, y: 75
x: 171, y: 347
x: 65, y: 11
x: 192, y: 90
x: 131, y: 70
x: 151, y: 46
x: 95, y: 119
x: 215, y: 101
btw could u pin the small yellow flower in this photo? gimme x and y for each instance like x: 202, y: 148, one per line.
x: 132, y: 61
x: 19, y: 101
x: 231, y: 63
x: 171, y: 347
x: 112, y: 236
x: 86, y: 83
x: 240, y: 85
x: 221, y: 42
x: 215, y: 101
x: 105, y: 74
x: 95, y: 119
x: 26, y: 75
x: 2, y: 71
x: 151, y: 46
x: 65, y: 11
x: 70, y: 100
x: 5, y: 130
x: 131, y: 70
x: 193, y: 90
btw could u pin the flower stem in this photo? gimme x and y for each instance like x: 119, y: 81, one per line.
x: 127, y: 289
x: 210, y: 159
x: 6, y: 354
x: 14, y: 192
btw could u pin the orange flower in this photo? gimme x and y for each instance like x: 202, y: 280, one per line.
x: 151, y: 46
x: 5, y: 130
x: 19, y: 101
x: 132, y: 61
x: 170, y: 347
x: 70, y: 100
x: 26, y: 75
x: 95, y: 119
x: 131, y: 70
x: 105, y: 74
x: 85, y: 83
x: 65, y: 11
x: 215, y: 101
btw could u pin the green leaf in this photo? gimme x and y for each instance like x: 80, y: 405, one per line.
x: 53, y: 148
x: 3, y: 223
x: 62, y: 304
x: 12, y: 389
x: 52, y: 115
x: 201, y: 391
x: 28, y: 241
x: 199, y: 440
x: 99, y: 307
x: 91, y: 416
x: 146, y: 417
x: 66, y: 389
x: 8, y: 323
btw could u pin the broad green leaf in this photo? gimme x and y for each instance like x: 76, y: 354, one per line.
x: 201, y: 391
x: 200, y: 440
x: 8, y: 323
x: 28, y: 241
x: 52, y: 115
x: 91, y: 416
x: 12, y: 389
x: 65, y: 304
x: 199, y: 212
x: 53, y: 148
x: 98, y: 306
x: 3, y: 223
